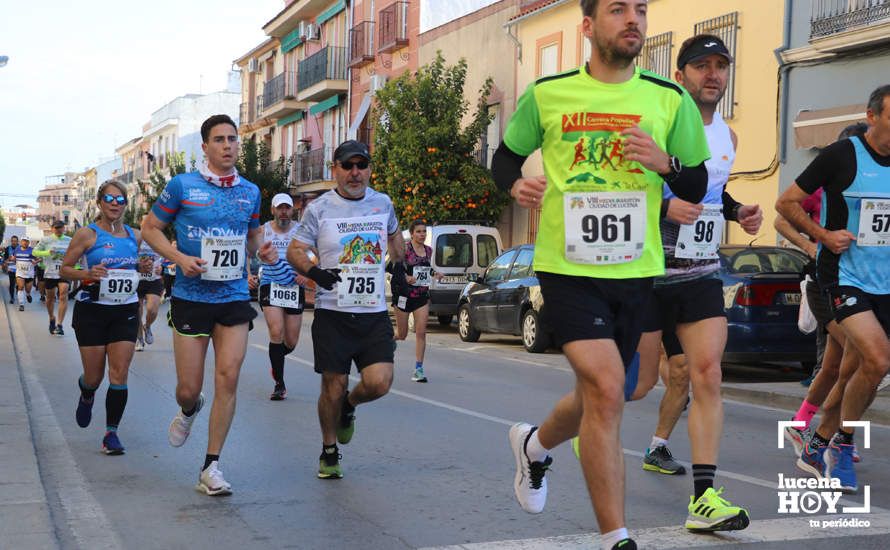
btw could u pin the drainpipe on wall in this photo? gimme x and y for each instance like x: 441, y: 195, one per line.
x: 515, y: 39
x: 349, y: 19
x: 784, y: 73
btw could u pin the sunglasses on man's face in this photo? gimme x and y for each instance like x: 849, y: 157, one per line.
x: 119, y: 199
x: 348, y: 165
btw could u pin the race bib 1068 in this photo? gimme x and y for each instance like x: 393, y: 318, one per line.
x: 24, y: 269
x: 285, y: 296
x: 604, y: 228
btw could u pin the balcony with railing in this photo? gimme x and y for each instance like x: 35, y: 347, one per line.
x: 361, y: 44
x: 244, y: 114
x: 393, y: 27
x: 844, y: 24
x: 323, y: 74
x: 310, y: 167
x: 259, y: 107
x: 279, y: 96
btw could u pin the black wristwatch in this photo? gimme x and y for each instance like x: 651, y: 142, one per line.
x: 675, y: 167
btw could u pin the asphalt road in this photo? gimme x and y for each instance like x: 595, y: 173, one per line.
x: 429, y: 465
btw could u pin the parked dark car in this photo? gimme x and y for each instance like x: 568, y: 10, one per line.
x: 505, y: 299
x: 761, y: 290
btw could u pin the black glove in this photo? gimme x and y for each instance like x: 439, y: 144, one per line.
x: 398, y: 276
x: 324, y: 277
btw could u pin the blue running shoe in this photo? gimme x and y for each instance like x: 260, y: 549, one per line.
x: 84, y: 412
x: 111, y: 445
x: 839, y: 464
x: 812, y: 460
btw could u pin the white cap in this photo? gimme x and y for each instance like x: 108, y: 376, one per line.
x: 282, y: 198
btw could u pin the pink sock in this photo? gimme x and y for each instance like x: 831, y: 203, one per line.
x: 806, y: 412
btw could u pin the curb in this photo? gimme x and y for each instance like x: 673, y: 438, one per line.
x: 790, y: 402
x: 25, y: 514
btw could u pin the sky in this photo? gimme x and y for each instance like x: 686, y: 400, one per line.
x: 83, y: 77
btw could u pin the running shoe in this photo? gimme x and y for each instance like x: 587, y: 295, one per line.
x: 812, y: 460
x: 140, y: 345
x: 346, y: 426
x: 181, y: 426
x: 839, y: 465
x: 212, y: 483
x: 52, y: 326
x: 111, y: 445
x: 60, y: 331
x: 42, y: 298
x: 626, y: 544
x: 857, y: 458
x: 279, y: 393
x: 881, y: 385
x: 12, y: 300
x: 329, y: 465
x: 660, y: 460
x: 21, y: 307
x: 529, y: 483
x: 29, y: 298
x: 149, y: 337
x: 711, y: 512
x: 84, y: 412
x: 797, y: 437
x: 419, y: 376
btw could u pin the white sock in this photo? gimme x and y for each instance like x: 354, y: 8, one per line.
x: 657, y: 442
x: 534, y: 450
x: 612, y: 538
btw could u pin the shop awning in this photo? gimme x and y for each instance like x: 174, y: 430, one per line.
x: 819, y: 128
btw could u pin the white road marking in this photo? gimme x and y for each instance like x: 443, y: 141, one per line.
x: 768, y: 530
x: 83, y: 514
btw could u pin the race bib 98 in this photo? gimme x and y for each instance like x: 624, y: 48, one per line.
x: 700, y: 239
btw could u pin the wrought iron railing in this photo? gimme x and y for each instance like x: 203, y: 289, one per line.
x: 361, y: 43
x: 834, y: 16
x: 393, y: 27
x: 259, y: 106
x: 279, y: 88
x: 309, y: 166
x: 329, y: 63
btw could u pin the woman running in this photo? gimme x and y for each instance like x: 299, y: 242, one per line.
x: 106, y: 309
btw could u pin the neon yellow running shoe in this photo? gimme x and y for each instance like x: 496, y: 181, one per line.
x: 713, y: 513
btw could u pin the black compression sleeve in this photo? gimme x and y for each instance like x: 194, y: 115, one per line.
x: 506, y: 167
x: 691, y: 183
x: 730, y: 207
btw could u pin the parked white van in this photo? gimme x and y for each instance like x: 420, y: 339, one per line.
x: 461, y: 253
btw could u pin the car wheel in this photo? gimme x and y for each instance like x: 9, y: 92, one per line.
x: 464, y: 328
x: 445, y: 320
x: 534, y: 338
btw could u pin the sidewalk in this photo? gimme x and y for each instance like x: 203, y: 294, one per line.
x: 24, y: 512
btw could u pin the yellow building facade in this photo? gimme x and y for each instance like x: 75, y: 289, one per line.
x: 549, y: 34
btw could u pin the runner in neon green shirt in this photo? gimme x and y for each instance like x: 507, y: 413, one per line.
x: 610, y: 135
x: 51, y: 250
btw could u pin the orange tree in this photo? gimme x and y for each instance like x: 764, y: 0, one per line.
x: 423, y: 158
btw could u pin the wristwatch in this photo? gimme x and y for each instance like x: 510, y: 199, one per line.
x: 675, y: 167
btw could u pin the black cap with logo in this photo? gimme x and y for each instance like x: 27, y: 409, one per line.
x: 699, y: 46
x: 351, y: 148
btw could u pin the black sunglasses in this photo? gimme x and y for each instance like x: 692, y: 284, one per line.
x: 348, y: 165
x: 119, y: 199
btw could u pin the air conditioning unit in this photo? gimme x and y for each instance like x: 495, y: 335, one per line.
x: 253, y: 65
x: 303, y: 27
x: 377, y: 82
x: 313, y: 31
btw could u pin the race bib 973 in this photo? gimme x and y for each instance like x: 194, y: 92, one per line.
x: 119, y: 286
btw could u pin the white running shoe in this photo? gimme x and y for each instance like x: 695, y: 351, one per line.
x: 149, y: 337
x: 529, y: 484
x: 140, y: 345
x: 212, y: 483
x: 797, y: 438
x: 181, y: 426
x: 884, y: 382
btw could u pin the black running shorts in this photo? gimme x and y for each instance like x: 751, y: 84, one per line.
x: 681, y: 303
x: 409, y: 304
x: 819, y: 304
x: 341, y: 338
x: 145, y: 287
x: 50, y: 284
x: 585, y: 308
x: 849, y: 300
x: 198, y: 318
x: 101, y: 324
x: 264, y: 301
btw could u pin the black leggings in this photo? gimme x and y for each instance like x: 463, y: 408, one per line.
x: 11, y: 284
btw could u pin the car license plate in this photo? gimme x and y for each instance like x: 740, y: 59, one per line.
x: 791, y: 298
x: 454, y: 279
